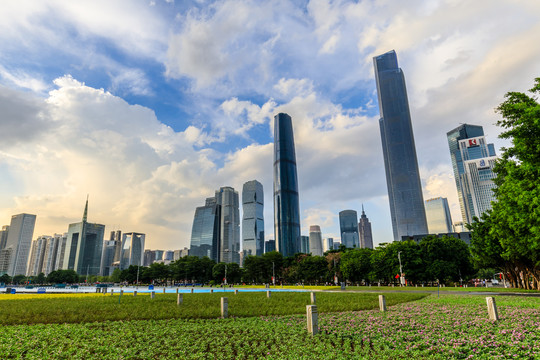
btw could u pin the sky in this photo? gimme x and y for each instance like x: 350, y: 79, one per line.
x: 150, y: 106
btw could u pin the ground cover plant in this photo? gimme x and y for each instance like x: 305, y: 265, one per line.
x: 77, y: 308
x: 442, y: 327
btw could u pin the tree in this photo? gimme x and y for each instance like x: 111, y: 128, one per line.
x: 446, y: 259
x: 356, y: 265
x: 511, y: 230
x: 5, y: 279
x: 232, y: 272
x: 40, y: 279
x: 63, y: 277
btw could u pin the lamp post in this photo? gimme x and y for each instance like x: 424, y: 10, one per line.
x: 274, y: 273
x: 400, y: 269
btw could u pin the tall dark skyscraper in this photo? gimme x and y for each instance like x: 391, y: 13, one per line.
x: 286, y: 200
x: 349, y: 228
x: 206, y: 230
x: 364, y: 231
x: 402, y: 175
x: 253, y: 218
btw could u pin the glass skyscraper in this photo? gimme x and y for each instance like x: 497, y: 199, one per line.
x: 399, y: 151
x: 364, y: 231
x: 206, y: 230
x: 229, y: 241
x: 14, y: 256
x: 304, y: 244
x: 348, y: 224
x: 132, y: 250
x: 253, y: 218
x: 438, y: 216
x: 472, y: 161
x: 286, y: 200
x: 315, y: 240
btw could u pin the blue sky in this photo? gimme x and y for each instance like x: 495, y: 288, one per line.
x: 150, y: 106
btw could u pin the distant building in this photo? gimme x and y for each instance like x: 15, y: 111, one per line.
x: 286, y: 199
x: 180, y: 253
x: 438, y: 216
x: 464, y: 236
x: 459, y: 226
x: 472, y: 160
x: 60, y: 252
x: 84, y: 246
x: 400, y: 162
x: 269, y: 246
x: 253, y: 218
x: 169, y: 255
x: 304, y: 244
x: 3, y: 236
x: 51, y: 253
x: 337, y: 244
x: 158, y: 255
x: 132, y: 250
x: 364, y: 231
x: 14, y: 256
x: 107, y: 257
x: 149, y: 257
x: 205, y: 233
x: 229, y: 249
x: 315, y: 240
x: 37, y: 255
x: 328, y: 244
x: 348, y: 224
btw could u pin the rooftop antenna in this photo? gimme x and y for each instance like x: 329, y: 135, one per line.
x: 85, y: 215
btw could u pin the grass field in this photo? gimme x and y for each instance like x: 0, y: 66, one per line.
x: 449, y: 326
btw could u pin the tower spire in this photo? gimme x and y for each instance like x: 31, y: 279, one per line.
x: 363, y: 213
x: 85, y: 215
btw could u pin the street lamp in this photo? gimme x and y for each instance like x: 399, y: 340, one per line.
x: 273, y: 273
x: 400, y: 269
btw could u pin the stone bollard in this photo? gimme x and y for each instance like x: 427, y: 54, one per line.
x: 382, y: 303
x: 211, y: 291
x: 235, y: 292
x: 152, y: 295
x: 121, y: 292
x: 312, y: 319
x: 313, y: 299
x: 268, y: 294
x: 177, y: 290
x: 112, y: 292
x: 164, y: 290
x: 224, y: 307
x: 179, y: 299
x: 492, y: 308
x: 98, y: 290
x: 134, y: 292
x: 192, y: 290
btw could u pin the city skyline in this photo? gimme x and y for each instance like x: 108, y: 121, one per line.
x: 151, y: 107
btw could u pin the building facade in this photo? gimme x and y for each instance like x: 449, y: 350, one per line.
x: 132, y: 250
x: 315, y: 240
x: 14, y: 256
x: 229, y: 250
x: 253, y: 218
x: 438, y: 216
x: 328, y: 244
x: 304, y: 244
x: 269, y: 246
x: 348, y: 224
x: 205, y: 233
x: 286, y: 199
x: 364, y: 231
x: 3, y: 236
x: 399, y: 151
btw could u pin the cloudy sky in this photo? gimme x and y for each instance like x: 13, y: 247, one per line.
x: 150, y: 106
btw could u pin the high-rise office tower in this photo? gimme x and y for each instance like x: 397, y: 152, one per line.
x: 149, y: 257
x: 132, y: 250
x: 364, y: 231
x: 116, y: 236
x: 14, y: 256
x: 206, y: 230
x: 348, y: 224
x: 304, y: 244
x: 51, y: 252
x: 286, y: 200
x: 35, y: 263
x: 438, y: 216
x: 107, y: 257
x: 253, y: 218
x: 169, y: 255
x: 229, y: 250
x: 84, y: 246
x: 328, y: 244
x: 473, y: 161
x: 3, y: 236
x: 399, y: 152
x: 315, y: 240
x: 158, y: 255
x: 60, y: 252
x: 269, y: 246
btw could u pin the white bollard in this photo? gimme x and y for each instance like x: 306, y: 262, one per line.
x: 268, y: 294
x: 382, y: 303
x: 312, y: 319
x: 211, y: 291
x: 121, y: 292
x: 164, y: 290
x: 192, y: 290
x: 134, y: 292
x: 112, y: 291
x: 492, y: 308
x: 224, y: 307
x: 179, y: 299
x: 177, y: 290
x: 235, y: 292
x: 313, y: 299
x: 152, y: 295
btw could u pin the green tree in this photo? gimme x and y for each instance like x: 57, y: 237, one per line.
x: 19, y: 279
x: 356, y: 265
x: 40, y: 279
x: 5, y: 279
x: 63, y: 277
x: 231, y: 271
x: 511, y: 230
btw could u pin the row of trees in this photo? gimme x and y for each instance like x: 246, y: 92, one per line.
x: 507, y: 237
x: 55, y: 277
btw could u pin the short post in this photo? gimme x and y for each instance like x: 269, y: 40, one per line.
x: 112, y: 292
x: 224, y: 307
x: 192, y: 290
x: 98, y: 290
x: 177, y: 290
x: 179, y: 299
x: 313, y: 299
x: 382, y: 303
x: 164, y: 290
x: 211, y: 291
x: 268, y: 294
x: 312, y: 319
x: 235, y: 291
x: 121, y: 292
x: 152, y: 295
x: 492, y: 308
x: 134, y: 292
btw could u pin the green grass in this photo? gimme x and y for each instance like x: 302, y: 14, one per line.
x: 195, y: 306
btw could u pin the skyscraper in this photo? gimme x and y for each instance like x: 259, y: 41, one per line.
x: 84, y: 246
x: 438, y: 216
x: 35, y: 264
x: 229, y: 250
x: 14, y: 256
x: 253, y: 218
x: 399, y: 152
x: 315, y: 240
x: 51, y: 252
x: 364, y: 231
x: 348, y: 224
x: 473, y: 161
x: 304, y: 244
x: 328, y: 244
x: 286, y: 200
x: 205, y: 232
x: 132, y: 250
x: 3, y: 236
